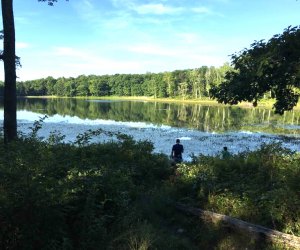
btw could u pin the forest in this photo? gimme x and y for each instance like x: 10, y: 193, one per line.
x: 185, y: 84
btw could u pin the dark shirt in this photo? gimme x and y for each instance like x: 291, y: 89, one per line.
x: 225, y: 154
x: 178, y: 150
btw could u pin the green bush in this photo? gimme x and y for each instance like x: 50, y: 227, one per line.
x: 261, y: 187
x: 120, y: 195
x: 70, y: 196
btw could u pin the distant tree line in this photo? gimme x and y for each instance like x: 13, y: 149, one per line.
x: 190, y: 83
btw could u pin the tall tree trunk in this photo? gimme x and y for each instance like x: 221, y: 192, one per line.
x: 9, y: 57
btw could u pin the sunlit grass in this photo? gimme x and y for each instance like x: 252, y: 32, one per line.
x: 259, y: 187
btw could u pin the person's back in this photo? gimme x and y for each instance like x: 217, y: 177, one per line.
x: 225, y: 154
x: 177, y: 151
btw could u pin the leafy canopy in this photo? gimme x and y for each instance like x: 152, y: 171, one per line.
x: 272, y: 66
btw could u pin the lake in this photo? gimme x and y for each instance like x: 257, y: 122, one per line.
x: 203, y: 129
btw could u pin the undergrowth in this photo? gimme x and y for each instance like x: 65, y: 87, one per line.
x: 120, y: 195
x: 261, y: 187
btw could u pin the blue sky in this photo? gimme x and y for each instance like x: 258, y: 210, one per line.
x: 138, y: 36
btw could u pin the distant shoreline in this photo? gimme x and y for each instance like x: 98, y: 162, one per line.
x: 267, y: 104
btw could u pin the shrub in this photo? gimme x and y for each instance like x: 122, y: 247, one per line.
x: 261, y: 187
x: 55, y: 195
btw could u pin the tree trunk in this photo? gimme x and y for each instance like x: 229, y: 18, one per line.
x: 9, y: 57
x: 242, y: 226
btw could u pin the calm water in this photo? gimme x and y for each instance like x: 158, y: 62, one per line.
x: 203, y: 129
x: 192, y: 116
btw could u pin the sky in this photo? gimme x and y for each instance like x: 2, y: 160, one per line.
x: 83, y: 37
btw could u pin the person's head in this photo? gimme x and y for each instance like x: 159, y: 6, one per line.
x: 177, y: 141
x: 225, y: 148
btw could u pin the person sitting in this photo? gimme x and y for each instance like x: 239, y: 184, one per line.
x: 177, y: 151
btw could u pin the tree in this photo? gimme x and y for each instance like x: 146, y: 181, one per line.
x: 9, y: 58
x: 168, y: 78
x: 272, y: 66
x: 194, y: 79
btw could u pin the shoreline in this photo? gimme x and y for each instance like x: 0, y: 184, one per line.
x: 163, y: 137
x: 267, y: 104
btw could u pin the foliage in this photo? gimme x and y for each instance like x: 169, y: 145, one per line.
x: 260, y: 187
x: 191, y: 83
x: 71, y: 196
x: 120, y: 195
x: 271, y: 66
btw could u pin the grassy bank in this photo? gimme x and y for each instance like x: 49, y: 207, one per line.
x: 120, y: 195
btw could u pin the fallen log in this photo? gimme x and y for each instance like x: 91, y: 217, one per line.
x: 239, y: 225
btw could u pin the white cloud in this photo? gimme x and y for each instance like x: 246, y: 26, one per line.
x: 188, y: 50
x: 100, y: 19
x: 99, y: 66
x: 68, y: 61
x: 144, y: 9
x: 141, y: 58
x: 132, y: 13
x: 156, y: 9
x: 180, y: 55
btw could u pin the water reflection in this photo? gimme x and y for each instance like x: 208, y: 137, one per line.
x: 194, y: 116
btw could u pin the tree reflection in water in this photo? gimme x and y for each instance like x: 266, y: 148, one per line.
x: 216, y: 118
x: 203, y: 129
